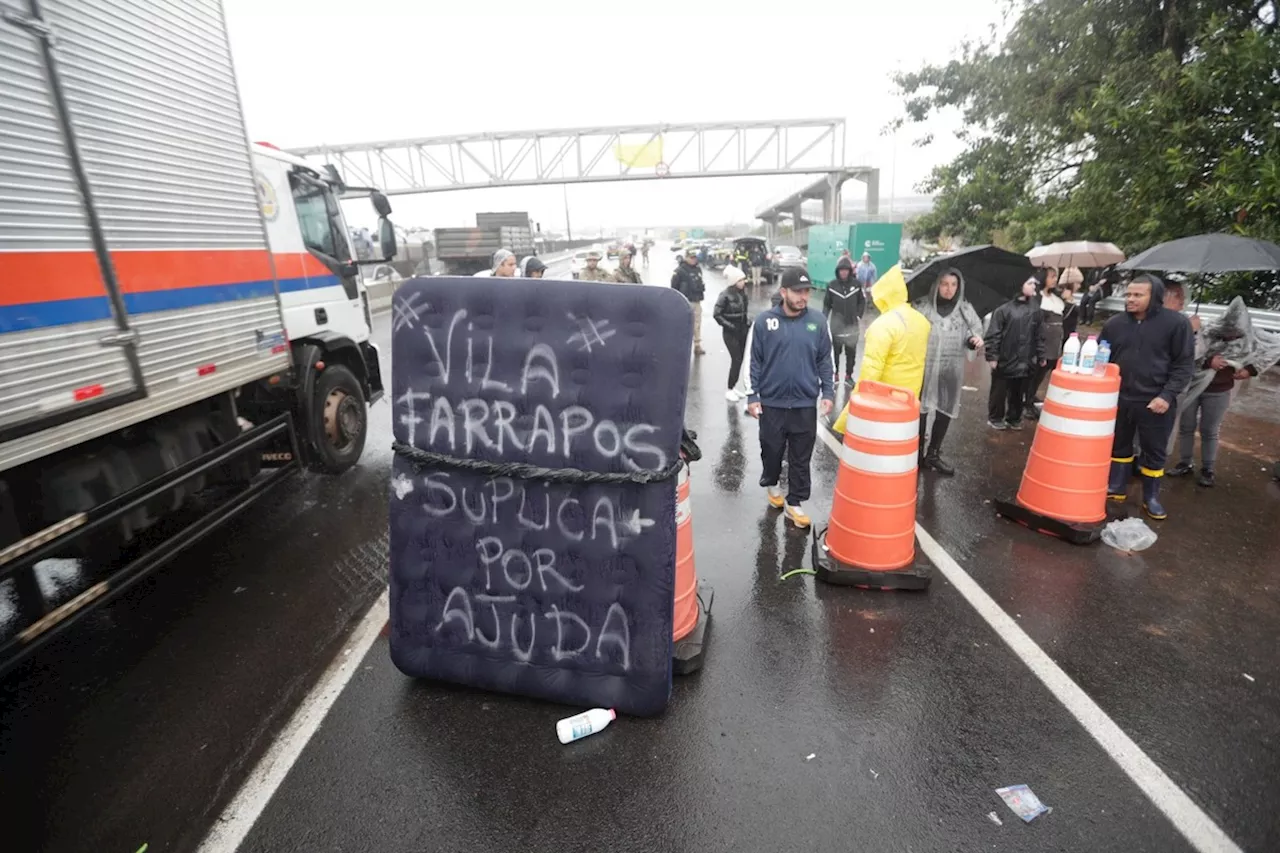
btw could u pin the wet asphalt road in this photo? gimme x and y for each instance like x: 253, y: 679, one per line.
x: 140, y: 728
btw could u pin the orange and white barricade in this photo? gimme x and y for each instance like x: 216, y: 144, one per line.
x: 870, y: 540
x: 1064, y: 486
x: 692, y: 611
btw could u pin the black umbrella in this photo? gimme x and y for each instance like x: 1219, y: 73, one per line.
x: 1208, y: 253
x: 992, y: 276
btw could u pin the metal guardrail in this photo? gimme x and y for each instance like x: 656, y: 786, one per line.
x: 1262, y: 319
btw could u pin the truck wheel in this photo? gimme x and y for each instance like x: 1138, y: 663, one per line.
x: 339, y: 412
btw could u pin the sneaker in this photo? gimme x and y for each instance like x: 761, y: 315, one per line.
x: 1001, y: 425
x: 1182, y: 469
x: 1013, y: 424
x: 1206, y: 478
x: 776, y: 499
x: 797, y: 515
x: 732, y: 396
x: 1032, y: 413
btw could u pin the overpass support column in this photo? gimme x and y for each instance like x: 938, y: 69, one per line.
x: 832, y: 201
x: 873, y: 192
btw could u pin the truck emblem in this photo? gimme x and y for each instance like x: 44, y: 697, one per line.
x: 267, y: 201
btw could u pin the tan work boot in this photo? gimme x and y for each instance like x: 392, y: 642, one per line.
x: 798, y: 516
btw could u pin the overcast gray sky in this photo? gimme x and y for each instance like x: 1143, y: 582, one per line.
x: 317, y: 71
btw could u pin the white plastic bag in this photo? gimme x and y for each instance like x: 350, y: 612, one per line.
x: 1129, y: 534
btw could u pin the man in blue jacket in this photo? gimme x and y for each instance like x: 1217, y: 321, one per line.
x: 1155, y: 349
x: 790, y: 370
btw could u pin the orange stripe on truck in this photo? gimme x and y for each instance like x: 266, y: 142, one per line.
x: 31, y: 277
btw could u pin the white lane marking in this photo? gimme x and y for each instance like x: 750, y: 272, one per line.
x: 1187, y: 817
x: 233, y: 825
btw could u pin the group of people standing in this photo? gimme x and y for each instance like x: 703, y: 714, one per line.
x: 793, y: 356
x: 923, y: 347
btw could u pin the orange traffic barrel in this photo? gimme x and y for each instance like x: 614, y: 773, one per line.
x: 1064, y: 485
x: 870, y: 538
x: 692, y: 609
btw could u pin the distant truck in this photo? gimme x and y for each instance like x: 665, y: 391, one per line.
x: 466, y: 251
x: 182, y: 321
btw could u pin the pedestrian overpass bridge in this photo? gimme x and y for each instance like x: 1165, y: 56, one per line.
x: 640, y: 152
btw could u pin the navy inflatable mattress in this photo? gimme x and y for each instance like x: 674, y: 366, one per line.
x: 508, y: 582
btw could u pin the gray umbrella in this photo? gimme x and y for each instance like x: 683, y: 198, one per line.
x: 1208, y: 253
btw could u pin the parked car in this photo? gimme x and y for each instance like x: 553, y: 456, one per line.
x: 787, y: 257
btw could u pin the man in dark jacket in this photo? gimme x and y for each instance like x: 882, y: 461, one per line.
x: 1155, y: 349
x: 687, y: 279
x: 730, y: 314
x: 790, y: 370
x: 843, y: 306
x: 756, y: 258
x: 1015, y: 349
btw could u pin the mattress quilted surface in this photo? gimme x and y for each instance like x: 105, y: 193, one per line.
x: 505, y: 581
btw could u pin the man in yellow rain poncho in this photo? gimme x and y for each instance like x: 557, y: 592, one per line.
x: 894, y: 350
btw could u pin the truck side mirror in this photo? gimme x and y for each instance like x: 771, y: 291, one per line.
x: 386, y: 237
x: 380, y: 204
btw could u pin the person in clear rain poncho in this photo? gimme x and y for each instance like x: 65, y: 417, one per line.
x: 955, y: 328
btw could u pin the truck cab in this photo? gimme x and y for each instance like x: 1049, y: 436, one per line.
x: 323, y: 300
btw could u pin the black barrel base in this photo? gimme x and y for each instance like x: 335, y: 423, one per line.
x: 1067, y: 531
x: 690, y: 652
x: 828, y: 569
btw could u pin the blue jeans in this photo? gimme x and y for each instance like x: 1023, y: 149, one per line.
x: 1211, y: 409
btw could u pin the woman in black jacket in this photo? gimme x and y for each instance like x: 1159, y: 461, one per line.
x: 1015, y: 350
x: 731, y: 314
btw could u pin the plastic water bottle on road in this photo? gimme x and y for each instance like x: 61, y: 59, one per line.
x: 587, y: 723
x: 1101, y: 359
x: 1071, y: 354
x: 1088, y: 355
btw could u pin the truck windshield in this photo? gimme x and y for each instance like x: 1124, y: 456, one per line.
x: 321, y: 228
x: 320, y: 220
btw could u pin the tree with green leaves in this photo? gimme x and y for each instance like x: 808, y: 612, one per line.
x: 1134, y: 121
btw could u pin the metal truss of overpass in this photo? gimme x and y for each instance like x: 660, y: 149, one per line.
x: 588, y: 155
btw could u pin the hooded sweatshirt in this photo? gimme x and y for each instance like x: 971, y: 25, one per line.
x: 530, y: 265
x: 1156, y: 354
x: 844, y: 303
x: 1015, y: 338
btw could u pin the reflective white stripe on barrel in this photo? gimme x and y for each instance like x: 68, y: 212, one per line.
x: 684, y: 508
x: 1082, y: 399
x: 874, y: 463
x: 1076, y: 426
x: 882, y: 430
